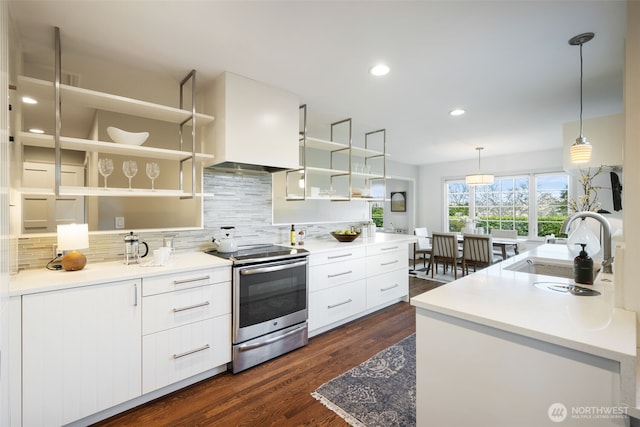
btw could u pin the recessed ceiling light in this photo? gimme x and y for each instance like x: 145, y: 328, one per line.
x: 379, y: 70
x: 34, y: 130
x: 29, y: 100
x: 457, y: 112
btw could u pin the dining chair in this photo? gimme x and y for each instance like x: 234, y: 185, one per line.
x: 505, y: 234
x: 477, y: 251
x: 422, y: 247
x: 445, y: 250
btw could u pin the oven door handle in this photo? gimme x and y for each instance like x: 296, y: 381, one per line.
x: 248, y: 347
x: 278, y: 267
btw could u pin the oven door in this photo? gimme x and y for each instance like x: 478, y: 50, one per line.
x: 268, y: 297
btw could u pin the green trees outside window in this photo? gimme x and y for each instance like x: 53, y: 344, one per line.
x: 507, y: 204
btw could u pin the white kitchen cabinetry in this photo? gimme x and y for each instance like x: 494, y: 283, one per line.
x: 387, y: 273
x: 529, y: 378
x: 336, y: 286
x: 80, y: 351
x: 256, y: 124
x: 186, y: 325
x: 345, y: 284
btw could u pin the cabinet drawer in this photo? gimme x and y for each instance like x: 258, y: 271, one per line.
x: 336, y: 303
x: 327, y: 275
x: 387, y: 287
x: 386, y: 262
x: 179, y: 353
x: 172, y: 282
x: 337, y: 255
x: 168, y: 310
x: 383, y: 248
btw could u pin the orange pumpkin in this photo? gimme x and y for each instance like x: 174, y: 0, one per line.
x: 74, y: 261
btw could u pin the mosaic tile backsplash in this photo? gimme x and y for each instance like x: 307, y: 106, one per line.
x: 242, y: 201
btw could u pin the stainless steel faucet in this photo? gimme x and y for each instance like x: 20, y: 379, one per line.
x: 606, y: 236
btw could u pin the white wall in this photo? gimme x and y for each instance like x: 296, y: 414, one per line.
x: 431, y: 179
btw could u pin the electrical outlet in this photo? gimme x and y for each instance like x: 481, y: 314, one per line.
x: 119, y: 222
x: 56, y: 252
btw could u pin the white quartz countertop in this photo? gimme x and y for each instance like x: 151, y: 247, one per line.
x: 330, y: 244
x: 509, y: 301
x: 42, y: 280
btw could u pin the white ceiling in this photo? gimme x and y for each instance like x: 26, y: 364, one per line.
x: 508, y: 63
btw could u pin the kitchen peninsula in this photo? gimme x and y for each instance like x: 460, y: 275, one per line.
x: 512, y: 353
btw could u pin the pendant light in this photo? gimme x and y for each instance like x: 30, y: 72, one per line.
x: 479, y: 178
x: 581, y: 149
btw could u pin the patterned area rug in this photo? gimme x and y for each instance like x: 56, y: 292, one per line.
x: 379, y: 392
x: 440, y: 276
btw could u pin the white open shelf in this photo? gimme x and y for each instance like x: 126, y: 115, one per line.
x: 326, y: 171
x: 321, y: 144
x: 110, y: 192
x: 43, y: 89
x: 78, y: 144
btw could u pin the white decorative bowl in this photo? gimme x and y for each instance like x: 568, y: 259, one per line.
x: 129, y: 138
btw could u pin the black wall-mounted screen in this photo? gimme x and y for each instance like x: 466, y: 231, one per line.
x: 616, y: 190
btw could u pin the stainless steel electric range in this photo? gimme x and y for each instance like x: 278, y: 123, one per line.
x: 270, y: 302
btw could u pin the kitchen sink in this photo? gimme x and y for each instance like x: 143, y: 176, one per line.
x: 560, y: 269
x: 546, y: 266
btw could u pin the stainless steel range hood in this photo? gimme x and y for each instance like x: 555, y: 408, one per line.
x: 246, y: 168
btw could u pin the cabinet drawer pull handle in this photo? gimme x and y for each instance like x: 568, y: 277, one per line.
x: 339, y: 274
x: 202, y: 304
x: 135, y: 295
x: 186, y: 353
x: 195, y: 279
x: 388, y: 263
x: 389, y: 288
x: 339, y: 256
x: 389, y: 248
x: 340, y: 303
x: 247, y: 347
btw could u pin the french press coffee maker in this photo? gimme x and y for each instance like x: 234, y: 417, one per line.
x: 132, y: 253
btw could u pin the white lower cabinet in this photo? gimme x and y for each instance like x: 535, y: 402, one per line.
x: 186, y: 325
x: 90, y: 348
x: 80, y: 351
x: 178, y: 353
x: 351, y: 282
x: 387, y: 273
x: 336, y: 303
x: 387, y: 287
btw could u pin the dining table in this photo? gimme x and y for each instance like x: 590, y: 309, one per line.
x: 502, y: 243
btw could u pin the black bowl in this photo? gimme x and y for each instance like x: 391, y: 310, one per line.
x: 345, y: 237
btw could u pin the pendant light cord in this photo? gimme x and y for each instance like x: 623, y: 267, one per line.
x: 581, y: 74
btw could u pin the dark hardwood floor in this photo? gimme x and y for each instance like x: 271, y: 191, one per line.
x: 278, y: 392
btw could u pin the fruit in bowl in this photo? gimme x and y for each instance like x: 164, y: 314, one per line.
x: 345, y: 235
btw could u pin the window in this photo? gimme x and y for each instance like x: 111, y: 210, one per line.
x: 505, y: 204
x: 457, y: 205
x: 552, y: 191
x: 377, y: 214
